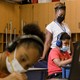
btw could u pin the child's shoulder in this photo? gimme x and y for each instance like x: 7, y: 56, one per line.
x: 55, y: 49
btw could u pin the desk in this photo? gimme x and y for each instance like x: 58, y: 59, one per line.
x: 37, y: 69
x: 36, y: 73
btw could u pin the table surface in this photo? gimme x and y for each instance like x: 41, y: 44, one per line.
x: 36, y: 69
x: 56, y: 79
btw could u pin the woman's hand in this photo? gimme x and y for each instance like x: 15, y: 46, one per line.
x: 41, y: 58
x: 16, y: 76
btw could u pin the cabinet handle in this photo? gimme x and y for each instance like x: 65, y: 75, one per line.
x: 10, y: 25
x: 6, y: 35
x: 45, y: 25
x: 32, y: 6
x: 79, y: 25
x: 14, y: 31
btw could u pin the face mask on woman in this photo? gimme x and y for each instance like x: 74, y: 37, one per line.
x: 14, y: 65
x: 64, y: 48
x: 60, y: 18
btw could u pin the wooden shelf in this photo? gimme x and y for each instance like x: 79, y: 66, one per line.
x: 3, y: 40
x: 75, y: 37
x: 1, y: 47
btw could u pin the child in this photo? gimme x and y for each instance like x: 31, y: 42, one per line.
x: 21, y: 54
x: 59, y: 56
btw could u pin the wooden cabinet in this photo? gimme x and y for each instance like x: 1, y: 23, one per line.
x: 77, y: 15
x: 51, y: 12
x: 1, y: 41
x: 9, y: 13
x: 73, y: 18
x: 26, y: 13
x: 5, y: 39
x: 10, y: 20
x: 41, y: 14
x: 75, y: 37
x: 71, y: 15
x: 35, y: 13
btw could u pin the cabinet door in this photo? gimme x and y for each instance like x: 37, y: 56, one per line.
x: 35, y: 13
x: 41, y: 15
x: 9, y: 12
x: 12, y: 13
x: 26, y: 13
x: 16, y: 19
x: 51, y: 12
x: 3, y: 17
x: 71, y: 15
x: 77, y: 15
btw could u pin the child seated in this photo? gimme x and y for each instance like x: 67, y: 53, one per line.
x: 59, y: 56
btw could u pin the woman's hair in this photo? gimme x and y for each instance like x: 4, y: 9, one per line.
x: 60, y: 6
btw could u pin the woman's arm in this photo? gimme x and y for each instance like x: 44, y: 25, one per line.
x: 47, y: 43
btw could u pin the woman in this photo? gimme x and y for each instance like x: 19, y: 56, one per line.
x: 21, y: 54
x: 54, y: 28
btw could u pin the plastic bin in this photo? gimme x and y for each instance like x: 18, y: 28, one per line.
x: 41, y: 64
x: 37, y: 73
